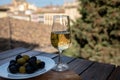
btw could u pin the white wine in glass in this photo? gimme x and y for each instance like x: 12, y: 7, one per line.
x: 60, y: 38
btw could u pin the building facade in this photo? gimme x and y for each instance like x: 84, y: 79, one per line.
x: 45, y: 15
x: 71, y: 9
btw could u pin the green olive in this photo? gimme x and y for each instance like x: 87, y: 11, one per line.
x: 26, y: 57
x: 22, y: 69
x: 21, y: 61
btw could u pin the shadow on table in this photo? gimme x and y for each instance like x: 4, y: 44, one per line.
x: 6, y: 44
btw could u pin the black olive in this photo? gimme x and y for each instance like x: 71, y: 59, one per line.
x: 17, y: 66
x: 32, y: 61
x: 41, y: 65
x: 10, y: 65
x: 13, y: 69
x: 12, y: 62
x: 35, y: 67
x: 34, y: 58
x: 18, y: 56
x: 29, y: 69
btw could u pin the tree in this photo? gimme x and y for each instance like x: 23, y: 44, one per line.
x: 97, y: 32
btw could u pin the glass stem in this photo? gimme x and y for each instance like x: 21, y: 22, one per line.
x: 59, y: 57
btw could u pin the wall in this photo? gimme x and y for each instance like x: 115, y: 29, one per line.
x: 73, y: 13
x: 3, y: 14
x: 4, y: 34
x: 26, y: 33
x: 71, y: 9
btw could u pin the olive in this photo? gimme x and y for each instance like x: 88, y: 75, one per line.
x: 13, y: 69
x: 41, y: 65
x: 26, y: 64
x: 32, y: 61
x: 18, y: 56
x: 34, y: 58
x: 35, y: 67
x: 22, y: 69
x: 26, y: 57
x: 38, y: 61
x: 17, y: 66
x: 12, y: 62
x: 21, y: 61
x: 29, y: 69
x: 11, y: 65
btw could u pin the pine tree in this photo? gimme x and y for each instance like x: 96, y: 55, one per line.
x: 96, y: 35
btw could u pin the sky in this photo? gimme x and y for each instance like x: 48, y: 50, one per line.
x: 38, y: 3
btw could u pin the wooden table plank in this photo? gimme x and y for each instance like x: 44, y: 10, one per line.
x: 51, y: 55
x: 53, y: 75
x: 37, y: 53
x: 98, y: 71
x: 80, y: 65
x: 12, y: 52
x: 116, y: 74
x: 9, y: 56
x: 32, y: 53
x: 6, y: 60
x: 65, y: 59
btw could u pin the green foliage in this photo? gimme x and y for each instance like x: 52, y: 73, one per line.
x: 97, y: 32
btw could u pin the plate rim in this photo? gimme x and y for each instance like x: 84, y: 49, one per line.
x: 26, y: 77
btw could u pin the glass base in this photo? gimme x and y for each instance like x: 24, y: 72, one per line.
x: 61, y: 67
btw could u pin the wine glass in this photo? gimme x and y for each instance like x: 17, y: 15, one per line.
x: 60, y: 38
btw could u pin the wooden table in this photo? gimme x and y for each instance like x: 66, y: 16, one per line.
x: 80, y: 69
